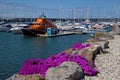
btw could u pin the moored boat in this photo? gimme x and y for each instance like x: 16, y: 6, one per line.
x: 40, y: 26
x: 4, y: 27
x: 17, y: 28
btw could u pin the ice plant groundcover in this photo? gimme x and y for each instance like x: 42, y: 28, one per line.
x: 80, y: 46
x: 40, y: 66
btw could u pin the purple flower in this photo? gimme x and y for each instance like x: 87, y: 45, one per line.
x: 80, y: 46
x: 39, y: 66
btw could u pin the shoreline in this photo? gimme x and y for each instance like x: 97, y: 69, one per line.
x: 108, y: 64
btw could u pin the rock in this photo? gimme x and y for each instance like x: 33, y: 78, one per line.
x: 15, y: 77
x: 116, y: 29
x: 103, y: 36
x: 90, y: 53
x: 103, y: 44
x: 87, y: 54
x: 108, y: 63
x: 27, y: 77
x: 66, y: 71
x: 68, y: 51
x: 99, y: 41
x: 76, y: 51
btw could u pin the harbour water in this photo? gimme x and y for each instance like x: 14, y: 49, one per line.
x: 15, y: 48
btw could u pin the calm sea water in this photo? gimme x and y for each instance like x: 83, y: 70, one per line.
x: 16, y: 48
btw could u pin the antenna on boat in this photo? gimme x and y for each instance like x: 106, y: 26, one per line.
x: 43, y: 15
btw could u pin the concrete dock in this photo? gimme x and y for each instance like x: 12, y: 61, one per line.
x: 59, y: 34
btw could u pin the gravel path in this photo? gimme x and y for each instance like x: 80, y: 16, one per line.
x: 108, y: 64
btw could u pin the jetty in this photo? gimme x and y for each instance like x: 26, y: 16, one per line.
x: 108, y: 64
x: 59, y: 34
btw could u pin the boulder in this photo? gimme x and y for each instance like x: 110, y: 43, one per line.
x: 66, y: 71
x: 87, y: 54
x: 103, y: 36
x: 104, y: 44
x: 27, y: 77
x: 116, y: 29
x: 90, y: 53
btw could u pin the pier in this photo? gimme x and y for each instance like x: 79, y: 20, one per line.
x: 59, y: 34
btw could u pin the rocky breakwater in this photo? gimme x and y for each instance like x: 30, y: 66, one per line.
x: 72, y: 64
x: 108, y: 64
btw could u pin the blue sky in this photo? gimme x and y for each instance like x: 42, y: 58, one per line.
x: 95, y: 6
x: 63, y: 3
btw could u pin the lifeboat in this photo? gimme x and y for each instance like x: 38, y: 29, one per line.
x: 40, y: 26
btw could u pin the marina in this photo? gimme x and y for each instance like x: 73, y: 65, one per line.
x: 59, y: 40
x: 40, y: 40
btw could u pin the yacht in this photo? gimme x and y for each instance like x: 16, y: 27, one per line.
x: 16, y: 28
x: 5, y: 27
